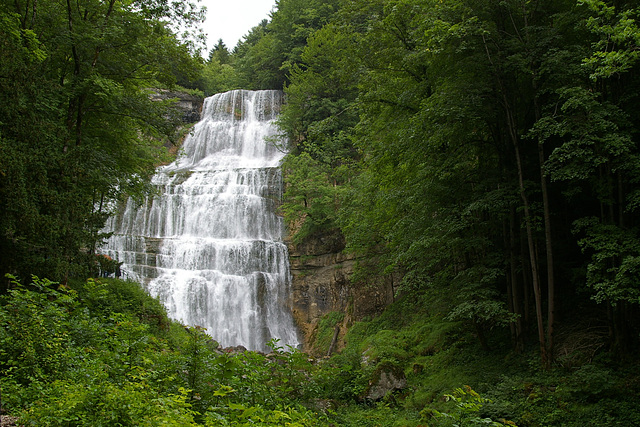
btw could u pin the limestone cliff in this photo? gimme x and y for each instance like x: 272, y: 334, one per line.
x: 321, y: 284
x: 188, y: 107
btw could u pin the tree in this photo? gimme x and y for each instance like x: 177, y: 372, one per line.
x: 220, y: 53
x: 270, y: 50
x: 455, y: 128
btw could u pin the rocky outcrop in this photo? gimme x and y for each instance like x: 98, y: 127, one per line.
x: 321, y: 275
x: 188, y: 107
x: 184, y: 113
x: 385, y: 382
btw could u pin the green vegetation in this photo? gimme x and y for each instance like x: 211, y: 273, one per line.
x: 438, y: 357
x: 326, y: 331
x: 104, y: 353
x: 79, y: 129
x: 483, y: 152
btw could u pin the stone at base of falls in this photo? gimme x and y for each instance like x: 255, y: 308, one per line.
x: 324, y: 405
x: 385, y: 381
x: 235, y: 349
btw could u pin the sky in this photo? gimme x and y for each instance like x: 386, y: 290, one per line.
x: 229, y: 20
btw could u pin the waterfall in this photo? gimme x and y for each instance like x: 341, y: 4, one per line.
x: 209, y: 243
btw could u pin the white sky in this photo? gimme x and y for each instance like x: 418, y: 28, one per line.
x: 229, y: 20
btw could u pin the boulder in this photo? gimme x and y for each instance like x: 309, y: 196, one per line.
x: 384, y: 381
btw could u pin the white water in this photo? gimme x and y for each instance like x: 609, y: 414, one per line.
x: 210, y: 244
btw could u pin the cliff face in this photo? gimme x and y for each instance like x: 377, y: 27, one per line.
x: 188, y: 107
x: 321, y: 275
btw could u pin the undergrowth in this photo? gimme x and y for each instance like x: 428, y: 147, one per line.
x: 102, y: 352
x: 451, y: 380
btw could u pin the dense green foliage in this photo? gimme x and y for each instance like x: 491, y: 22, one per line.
x: 103, y: 353
x: 78, y: 128
x: 485, y: 152
x: 438, y: 356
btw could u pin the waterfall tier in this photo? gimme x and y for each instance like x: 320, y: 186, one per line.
x: 209, y: 243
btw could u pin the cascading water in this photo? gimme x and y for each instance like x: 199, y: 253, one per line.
x: 209, y: 246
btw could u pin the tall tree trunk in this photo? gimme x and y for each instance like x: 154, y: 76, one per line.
x: 547, y: 224
x: 510, y: 306
x: 527, y: 286
x: 549, y: 251
x: 535, y: 277
x: 516, y: 303
x: 537, y: 292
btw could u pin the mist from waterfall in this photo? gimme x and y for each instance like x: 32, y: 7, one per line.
x: 209, y: 244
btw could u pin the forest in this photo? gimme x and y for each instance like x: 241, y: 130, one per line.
x: 483, y: 154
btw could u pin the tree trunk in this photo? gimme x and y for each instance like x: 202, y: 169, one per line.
x: 549, y: 251
x: 547, y: 228
x: 481, y: 335
x: 510, y: 286
x: 527, y: 286
x: 334, y: 340
x: 537, y: 292
x: 512, y: 129
x: 516, y: 303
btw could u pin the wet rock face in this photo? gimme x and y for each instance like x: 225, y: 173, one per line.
x: 321, y: 284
